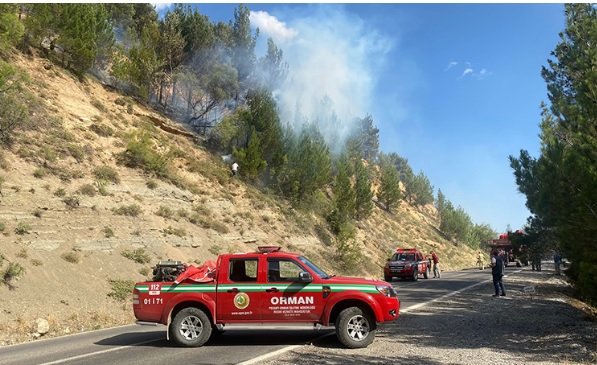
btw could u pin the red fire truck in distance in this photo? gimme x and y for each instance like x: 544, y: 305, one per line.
x: 267, y: 287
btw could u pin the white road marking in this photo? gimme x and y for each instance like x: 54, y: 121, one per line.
x: 258, y: 359
x: 61, y: 361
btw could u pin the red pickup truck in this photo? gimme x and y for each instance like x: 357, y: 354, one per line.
x: 406, y: 263
x: 268, y: 287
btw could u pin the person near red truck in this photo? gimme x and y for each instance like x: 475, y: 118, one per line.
x: 497, y: 271
x: 436, y: 269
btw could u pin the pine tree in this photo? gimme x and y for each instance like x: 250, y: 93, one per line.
x: 344, y: 196
x: 11, y: 29
x: 389, y: 189
x: 249, y: 159
x: 364, y: 195
x: 307, y: 165
x: 419, y: 190
x: 440, y: 204
x: 561, y: 184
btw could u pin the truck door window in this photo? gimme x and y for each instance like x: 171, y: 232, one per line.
x: 243, y: 270
x: 283, y: 270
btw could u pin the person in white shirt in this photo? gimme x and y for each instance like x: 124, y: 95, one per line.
x: 234, y: 169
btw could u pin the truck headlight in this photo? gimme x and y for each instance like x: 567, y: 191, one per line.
x: 387, y: 291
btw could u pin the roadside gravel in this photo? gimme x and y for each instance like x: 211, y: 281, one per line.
x: 472, y: 327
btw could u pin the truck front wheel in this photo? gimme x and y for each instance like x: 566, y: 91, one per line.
x: 354, y: 328
x: 190, y: 327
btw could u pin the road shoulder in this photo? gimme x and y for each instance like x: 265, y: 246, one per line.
x: 472, y: 327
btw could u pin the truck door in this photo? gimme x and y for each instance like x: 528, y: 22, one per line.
x: 420, y: 262
x: 239, y: 291
x: 286, y: 298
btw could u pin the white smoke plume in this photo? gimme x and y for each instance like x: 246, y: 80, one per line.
x: 333, y: 59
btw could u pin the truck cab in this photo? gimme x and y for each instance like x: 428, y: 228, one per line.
x: 267, y: 287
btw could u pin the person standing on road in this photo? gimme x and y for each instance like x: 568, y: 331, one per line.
x: 480, y: 263
x: 497, y: 271
x: 436, y: 270
x: 557, y: 261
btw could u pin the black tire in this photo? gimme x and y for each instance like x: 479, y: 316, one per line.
x: 190, y: 327
x: 415, y: 276
x: 426, y: 274
x: 355, y: 329
x: 388, y: 278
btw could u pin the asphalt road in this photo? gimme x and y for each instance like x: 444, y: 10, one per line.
x: 131, y: 345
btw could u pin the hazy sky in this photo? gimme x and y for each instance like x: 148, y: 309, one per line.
x: 454, y: 88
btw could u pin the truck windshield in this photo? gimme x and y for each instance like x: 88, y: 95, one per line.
x: 313, y: 267
x: 403, y: 257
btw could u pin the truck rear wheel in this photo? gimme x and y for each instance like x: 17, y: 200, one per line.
x: 354, y: 328
x: 190, y: 327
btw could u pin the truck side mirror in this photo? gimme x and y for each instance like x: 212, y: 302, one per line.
x: 305, y: 277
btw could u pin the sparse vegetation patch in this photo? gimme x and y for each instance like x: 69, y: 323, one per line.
x: 139, y: 255
x: 132, y: 210
x: 107, y: 173
x: 180, y: 232
x: 22, y: 228
x: 72, y: 257
x: 13, y: 272
x: 165, y: 212
x: 121, y: 290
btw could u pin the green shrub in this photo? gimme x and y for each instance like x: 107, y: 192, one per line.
x: 76, y: 151
x: 101, y: 187
x: 60, y: 192
x: 102, y: 130
x: 22, y: 228
x: 71, y: 257
x: 165, y: 212
x: 108, y: 232
x: 208, y: 222
x: 120, y: 101
x: 140, y: 153
x: 99, y: 105
x: 2, y: 226
x: 180, y: 232
x: 152, y: 184
x: 107, y: 173
x: 139, y: 255
x: 121, y: 289
x: 36, y: 262
x: 37, y: 213
x: 71, y: 202
x: 132, y: 210
x: 87, y: 189
x: 39, y: 172
x: 144, y: 271
x: 215, y: 249
x: 12, y: 273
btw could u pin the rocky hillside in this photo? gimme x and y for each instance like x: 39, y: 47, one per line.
x: 80, y: 219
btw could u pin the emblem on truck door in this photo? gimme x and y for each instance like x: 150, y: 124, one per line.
x: 241, y: 300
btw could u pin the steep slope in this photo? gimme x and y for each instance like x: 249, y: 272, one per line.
x: 81, y: 223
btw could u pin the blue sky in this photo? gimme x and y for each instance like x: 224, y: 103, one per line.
x: 454, y: 88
